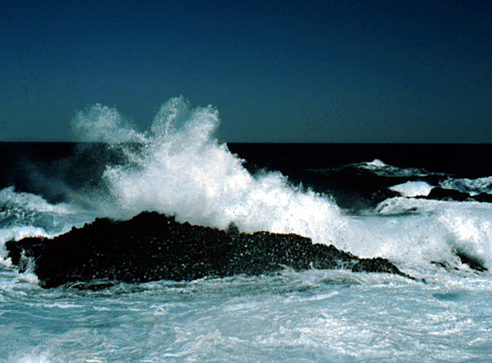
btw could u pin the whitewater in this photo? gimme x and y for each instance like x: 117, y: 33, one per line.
x: 179, y: 167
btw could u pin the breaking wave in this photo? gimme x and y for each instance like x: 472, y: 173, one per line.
x: 179, y: 168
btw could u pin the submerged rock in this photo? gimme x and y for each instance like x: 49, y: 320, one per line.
x: 153, y: 247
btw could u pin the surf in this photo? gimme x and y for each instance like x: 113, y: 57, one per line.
x: 178, y: 167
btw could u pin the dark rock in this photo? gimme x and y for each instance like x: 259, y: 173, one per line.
x: 438, y: 193
x: 483, y: 197
x: 153, y: 247
x: 375, y: 265
x: 474, y: 262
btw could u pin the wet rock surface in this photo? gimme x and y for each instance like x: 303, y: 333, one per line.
x: 153, y: 247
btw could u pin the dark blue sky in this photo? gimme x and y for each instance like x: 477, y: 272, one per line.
x: 278, y: 71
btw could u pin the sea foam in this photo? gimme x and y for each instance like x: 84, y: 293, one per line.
x: 412, y: 189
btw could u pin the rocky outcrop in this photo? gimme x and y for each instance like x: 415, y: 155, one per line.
x: 153, y: 247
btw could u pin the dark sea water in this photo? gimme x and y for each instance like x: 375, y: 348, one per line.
x: 423, y: 207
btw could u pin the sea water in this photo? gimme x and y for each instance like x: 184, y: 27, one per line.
x: 373, y: 207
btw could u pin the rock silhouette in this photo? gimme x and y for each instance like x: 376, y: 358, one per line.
x: 438, y: 193
x: 152, y: 247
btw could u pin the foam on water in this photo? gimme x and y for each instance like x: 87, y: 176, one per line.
x: 11, y: 201
x: 312, y: 316
x: 25, y: 211
x: 379, y: 167
x: 27, y: 215
x: 471, y: 186
x: 412, y: 189
x: 419, y: 230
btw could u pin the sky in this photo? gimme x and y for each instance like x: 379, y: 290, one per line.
x: 328, y: 71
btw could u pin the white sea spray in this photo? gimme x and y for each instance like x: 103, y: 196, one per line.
x: 181, y: 169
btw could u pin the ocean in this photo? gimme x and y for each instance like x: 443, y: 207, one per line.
x: 425, y: 208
